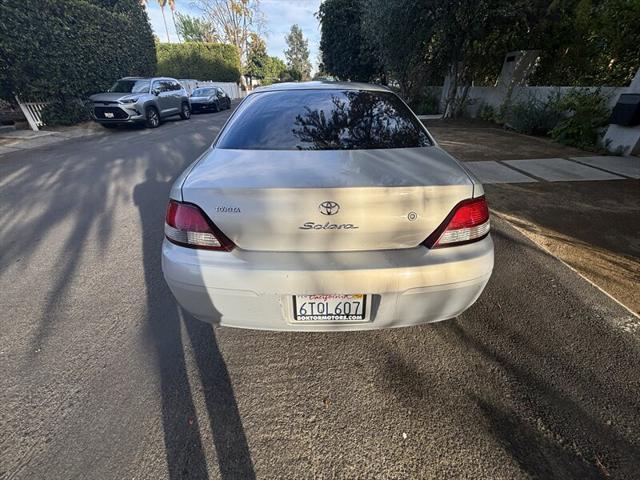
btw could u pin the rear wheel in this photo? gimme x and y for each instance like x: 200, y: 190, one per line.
x: 185, y: 111
x: 153, y: 117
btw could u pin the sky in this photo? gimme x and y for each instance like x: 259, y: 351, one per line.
x: 279, y: 15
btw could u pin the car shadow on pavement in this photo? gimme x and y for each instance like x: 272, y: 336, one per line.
x: 185, y: 446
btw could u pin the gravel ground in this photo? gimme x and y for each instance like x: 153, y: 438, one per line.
x: 104, y: 377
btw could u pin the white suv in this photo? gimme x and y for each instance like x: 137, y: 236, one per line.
x: 142, y: 101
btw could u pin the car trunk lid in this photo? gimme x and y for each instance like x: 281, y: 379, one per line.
x: 333, y: 200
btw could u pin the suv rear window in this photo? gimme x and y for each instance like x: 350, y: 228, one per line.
x: 322, y: 120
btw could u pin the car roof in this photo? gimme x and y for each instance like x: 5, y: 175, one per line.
x: 321, y: 85
x: 147, y: 78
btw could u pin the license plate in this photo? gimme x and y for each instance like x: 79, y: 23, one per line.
x: 330, y: 308
x: 108, y: 114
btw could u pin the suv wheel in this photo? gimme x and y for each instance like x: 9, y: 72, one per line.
x: 153, y: 117
x: 185, y: 112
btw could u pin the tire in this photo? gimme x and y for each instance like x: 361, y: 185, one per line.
x: 152, y: 117
x: 228, y: 104
x: 185, y: 111
x: 216, y: 107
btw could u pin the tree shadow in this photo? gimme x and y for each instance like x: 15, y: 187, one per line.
x: 184, y: 447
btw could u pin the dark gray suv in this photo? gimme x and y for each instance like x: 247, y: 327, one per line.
x: 141, y: 100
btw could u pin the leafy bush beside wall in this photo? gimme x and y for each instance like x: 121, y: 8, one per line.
x: 576, y: 118
x: 202, y: 61
x: 68, y: 49
x: 426, y: 104
x: 585, y: 114
x: 533, y: 116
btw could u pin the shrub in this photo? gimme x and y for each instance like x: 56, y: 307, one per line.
x: 203, y: 61
x: 585, y: 113
x: 487, y: 112
x: 427, y: 104
x: 71, y: 48
x: 533, y: 116
x: 65, y: 112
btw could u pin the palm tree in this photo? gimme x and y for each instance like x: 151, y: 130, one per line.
x: 172, y: 4
x: 163, y: 3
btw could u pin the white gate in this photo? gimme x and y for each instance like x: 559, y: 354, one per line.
x: 32, y: 111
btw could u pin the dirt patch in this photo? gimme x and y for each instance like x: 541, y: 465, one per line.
x: 592, y: 226
x: 475, y: 140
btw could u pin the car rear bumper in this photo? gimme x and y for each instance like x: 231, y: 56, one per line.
x: 202, y: 106
x: 254, y: 289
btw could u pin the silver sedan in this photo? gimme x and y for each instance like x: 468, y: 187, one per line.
x: 326, y: 206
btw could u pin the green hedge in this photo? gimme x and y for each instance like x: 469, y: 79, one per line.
x: 202, y: 61
x: 66, y: 49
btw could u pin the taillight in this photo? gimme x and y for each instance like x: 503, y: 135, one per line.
x: 467, y: 222
x: 188, y: 226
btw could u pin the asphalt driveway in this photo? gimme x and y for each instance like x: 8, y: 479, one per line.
x: 104, y: 377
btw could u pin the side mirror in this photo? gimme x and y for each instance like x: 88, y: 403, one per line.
x: 156, y: 91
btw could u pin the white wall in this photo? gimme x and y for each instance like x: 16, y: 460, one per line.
x: 495, y: 97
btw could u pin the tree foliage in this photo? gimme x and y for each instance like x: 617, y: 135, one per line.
x: 588, y: 43
x: 256, y: 57
x: 297, y: 53
x: 346, y: 51
x: 195, y: 29
x: 581, y: 42
x: 233, y: 21
x: 202, y: 61
x: 399, y: 30
x: 71, y: 48
x: 274, y: 70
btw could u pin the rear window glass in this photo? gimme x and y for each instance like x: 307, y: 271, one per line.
x: 322, y: 120
x: 204, y: 92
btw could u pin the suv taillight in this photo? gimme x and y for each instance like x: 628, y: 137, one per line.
x: 467, y: 222
x: 188, y: 226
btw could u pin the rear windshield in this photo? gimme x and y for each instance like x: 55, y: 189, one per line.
x: 130, y: 86
x: 204, y: 91
x: 322, y: 120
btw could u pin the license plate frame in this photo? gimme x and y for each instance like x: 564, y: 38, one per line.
x: 326, y: 309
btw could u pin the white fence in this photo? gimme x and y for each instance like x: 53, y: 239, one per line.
x: 230, y: 88
x: 32, y: 111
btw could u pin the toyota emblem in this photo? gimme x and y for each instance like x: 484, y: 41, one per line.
x: 329, y: 208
